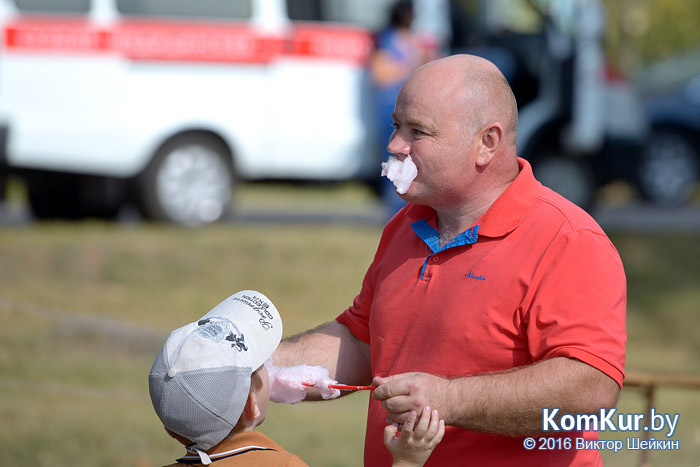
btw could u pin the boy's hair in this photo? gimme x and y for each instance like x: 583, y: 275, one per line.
x: 200, y: 381
x: 256, y: 381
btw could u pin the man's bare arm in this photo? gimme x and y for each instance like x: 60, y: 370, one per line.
x: 510, y: 402
x: 331, y: 345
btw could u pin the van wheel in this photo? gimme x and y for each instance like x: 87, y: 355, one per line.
x: 189, y: 181
x: 669, y: 169
x: 571, y: 178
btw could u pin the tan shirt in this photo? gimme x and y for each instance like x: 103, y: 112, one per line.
x: 250, y: 449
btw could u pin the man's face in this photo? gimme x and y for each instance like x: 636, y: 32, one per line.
x: 429, y: 124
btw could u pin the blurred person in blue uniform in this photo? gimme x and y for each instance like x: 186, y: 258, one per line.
x: 398, y: 52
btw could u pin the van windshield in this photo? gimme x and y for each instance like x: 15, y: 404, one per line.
x: 210, y: 9
x: 52, y: 6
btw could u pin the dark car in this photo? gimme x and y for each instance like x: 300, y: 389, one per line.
x: 670, y: 162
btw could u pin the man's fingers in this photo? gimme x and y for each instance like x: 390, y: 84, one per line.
x: 399, y: 406
x: 391, y: 386
x: 379, y: 380
x: 399, y: 418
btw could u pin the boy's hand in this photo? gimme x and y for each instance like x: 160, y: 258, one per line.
x: 416, y: 441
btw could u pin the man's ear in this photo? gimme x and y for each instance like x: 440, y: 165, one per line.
x: 251, y: 411
x: 490, y: 141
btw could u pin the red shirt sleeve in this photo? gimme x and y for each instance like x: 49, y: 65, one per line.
x: 356, y: 317
x: 578, y: 304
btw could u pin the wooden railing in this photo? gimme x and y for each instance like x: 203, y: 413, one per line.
x: 649, y: 382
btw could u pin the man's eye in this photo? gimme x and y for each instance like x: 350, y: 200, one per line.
x: 417, y: 132
x: 394, y: 124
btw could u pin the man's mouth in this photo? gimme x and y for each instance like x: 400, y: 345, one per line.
x: 401, y: 173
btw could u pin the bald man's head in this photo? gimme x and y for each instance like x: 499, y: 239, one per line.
x: 477, y: 86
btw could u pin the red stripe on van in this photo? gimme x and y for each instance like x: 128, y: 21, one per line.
x: 215, y: 43
x: 171, y: 41
x: 342, y: 43
x: 54, y: 35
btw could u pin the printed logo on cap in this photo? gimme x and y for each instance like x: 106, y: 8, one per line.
x: 220, y: 330
x: 260, y: 306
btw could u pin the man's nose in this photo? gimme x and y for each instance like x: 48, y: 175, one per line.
x: 397, y: 144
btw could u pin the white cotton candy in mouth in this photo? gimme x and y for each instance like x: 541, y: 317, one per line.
x: 400, y: 173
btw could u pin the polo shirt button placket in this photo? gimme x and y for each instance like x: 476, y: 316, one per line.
x: 436, y: 259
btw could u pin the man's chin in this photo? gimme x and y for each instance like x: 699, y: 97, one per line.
x: 411, y: 195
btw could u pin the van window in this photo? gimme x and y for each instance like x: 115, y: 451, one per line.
x: 52, y: 6
x: 211, y: 9
x: 319, y: 10
x: 304, y: 10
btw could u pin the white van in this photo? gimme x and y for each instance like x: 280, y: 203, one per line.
x: 168, y: 102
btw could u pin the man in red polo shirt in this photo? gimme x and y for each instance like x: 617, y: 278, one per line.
x: 489, y: 298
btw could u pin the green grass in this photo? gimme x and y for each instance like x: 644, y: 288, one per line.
x: 73, y: 377
x: 75, y: 392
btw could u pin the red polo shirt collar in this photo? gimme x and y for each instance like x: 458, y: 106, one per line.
x: 506, y: 213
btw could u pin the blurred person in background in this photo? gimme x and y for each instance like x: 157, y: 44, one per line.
x: 397, y: 53
x: 490, y: 296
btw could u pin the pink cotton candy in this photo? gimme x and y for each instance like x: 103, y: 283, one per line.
x: 286, y: 383
x: 400, y: 173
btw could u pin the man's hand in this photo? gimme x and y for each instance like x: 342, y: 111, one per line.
x: 401, y: 394
x: 508, y: 402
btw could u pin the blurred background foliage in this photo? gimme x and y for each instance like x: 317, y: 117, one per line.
x: 642, y: 32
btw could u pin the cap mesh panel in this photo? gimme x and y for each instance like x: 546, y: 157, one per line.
x: 204, y: 406
x: 156, y: 379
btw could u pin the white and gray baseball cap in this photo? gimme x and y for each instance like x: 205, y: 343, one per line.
x: 200, y: 381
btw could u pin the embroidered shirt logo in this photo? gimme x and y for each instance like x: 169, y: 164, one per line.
x: 472, y: 276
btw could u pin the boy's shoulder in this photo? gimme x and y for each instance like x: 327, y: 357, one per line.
x: 249, y: 448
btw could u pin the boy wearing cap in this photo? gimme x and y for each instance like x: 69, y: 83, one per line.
x: 210, y: 388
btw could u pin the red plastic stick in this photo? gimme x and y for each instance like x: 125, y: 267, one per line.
x: 343, y: 387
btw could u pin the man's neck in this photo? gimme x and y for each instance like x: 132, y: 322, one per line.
x: 451, y: 224
x: 454, y: 219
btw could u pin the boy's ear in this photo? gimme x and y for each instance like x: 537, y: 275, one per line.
x: 251, y: 411
x: 181, y: 439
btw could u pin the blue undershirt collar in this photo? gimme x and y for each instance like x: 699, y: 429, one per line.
x: 431, y: 237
